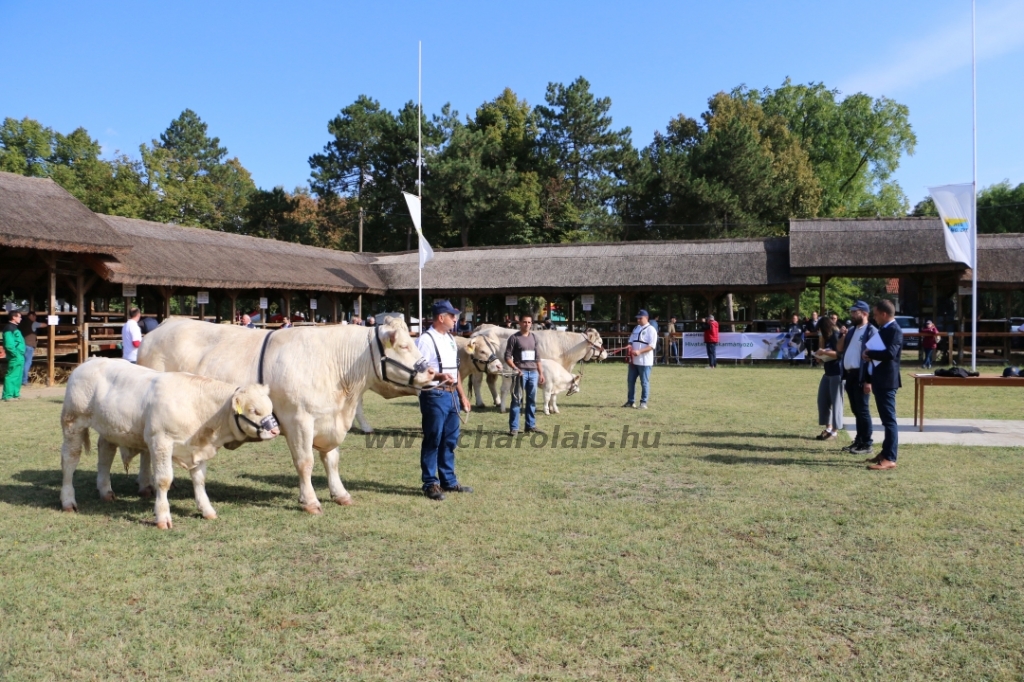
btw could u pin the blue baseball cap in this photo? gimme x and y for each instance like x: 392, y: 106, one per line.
x: 861, y: 306
x: 642, y: 313
x: 443, y: 307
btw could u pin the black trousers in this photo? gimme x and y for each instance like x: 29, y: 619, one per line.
x: 860, y: 406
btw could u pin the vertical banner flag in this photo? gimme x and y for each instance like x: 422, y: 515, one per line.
x: 954, y: 204
x: 426, y: 253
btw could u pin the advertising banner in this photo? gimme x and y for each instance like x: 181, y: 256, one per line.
x: 743, y: 346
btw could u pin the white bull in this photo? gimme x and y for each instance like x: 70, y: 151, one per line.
x: 316, y: 377
x: 557, y: 380
x: 172, y: 416
x: 565, y: 348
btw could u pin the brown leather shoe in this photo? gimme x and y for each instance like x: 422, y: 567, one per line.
x: 873, y: 460
x: 884, y: 465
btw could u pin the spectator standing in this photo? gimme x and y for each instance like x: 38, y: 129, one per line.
x: 673, y: 344
x: 14, y: 346
x: 851, y: 346
x: 710, y: 329
x: 465, y: 326
x: 811, y: 332
x: 371, y: 321
x: 29, y: 328
x: 656, y: 325
x: 830, y: 388
x: 131, y: 337
x: 439, y: 405
x: 795, y: 332
x: 521, y: 356
x: 247, y: 322
x: 885, y: 380
x: 929, y: 342
x: 640, y: 356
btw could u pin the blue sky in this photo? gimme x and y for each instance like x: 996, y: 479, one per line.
x: 267, y: 77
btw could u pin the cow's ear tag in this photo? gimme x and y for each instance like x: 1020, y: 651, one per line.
x: 238, y: 409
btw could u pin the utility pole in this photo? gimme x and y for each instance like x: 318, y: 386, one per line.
x: 360, y: 251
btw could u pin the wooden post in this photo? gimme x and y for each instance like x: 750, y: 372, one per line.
x: 233, y: 295
x: 796, y: 302
x: 732, y: 316
x: 572, y: 312
x: 960, y: 326
x: 821, y: 296
x: 287, y: 306
x: 83, y: 330
x: 1006, y: 310
x: 753, y: 313
x: 52, y: 310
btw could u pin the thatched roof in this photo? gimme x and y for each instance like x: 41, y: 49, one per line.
x: 1000, y: 261
x: 171, y: 255
x: 37, y: 213
x: 714, y: 265
x: 869, y: 247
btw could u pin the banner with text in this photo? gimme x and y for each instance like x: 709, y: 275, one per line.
x: 743, y: 346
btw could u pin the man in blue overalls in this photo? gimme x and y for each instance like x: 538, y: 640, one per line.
x: 439, y: 405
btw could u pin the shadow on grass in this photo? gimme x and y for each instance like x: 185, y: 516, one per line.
x: 767, y: 449
x: 775, y: 461
x: 320, y: 482
x: 43, y: 492
x: 743, y: 434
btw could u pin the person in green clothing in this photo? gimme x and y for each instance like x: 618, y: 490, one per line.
x: 14, y: 346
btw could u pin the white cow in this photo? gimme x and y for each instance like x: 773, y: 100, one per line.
x: 565, y: 348
x: 316, y: 377
x: 172, y: 416
x: 557, y: 380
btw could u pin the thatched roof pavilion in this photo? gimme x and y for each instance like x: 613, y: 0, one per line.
x: 37, y: 213
x: 1000, y: 262
x: 175, y: 256
x: 713, y: 266
x: 868, y: 247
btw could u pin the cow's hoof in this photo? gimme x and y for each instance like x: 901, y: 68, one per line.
x: 147, y: 491
x: 70, y: 507
x: 108, y: 497
x: 314, y: 509
x: 164, y: 525
x: 210, y: 515
x: 344, y: 500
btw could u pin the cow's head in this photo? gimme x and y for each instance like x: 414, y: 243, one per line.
x: 401, y: 362
x: 574, y: 387
x: 597, y: 351
x: 253, y: 413
x: 483, y: 349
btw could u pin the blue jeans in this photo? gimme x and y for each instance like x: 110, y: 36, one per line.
x: 440, y: 437
x: 885, y: 401
x: 929, y: 357
x: 859, y: 405
x: 29, y: 352
x: 644, y: 374
x: 530, y: 379
x: 712, y: 354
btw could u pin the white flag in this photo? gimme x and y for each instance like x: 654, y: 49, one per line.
x: 954, y: 203
x: 426, y: 253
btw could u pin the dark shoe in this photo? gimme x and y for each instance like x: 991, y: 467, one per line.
x: 861, y: 450
x: 535, y: 430
x: 851, y: 447
x: 458, y: 488
x: 883, y: 465
x: 513, y: 433
x: 822, y: 436
x: 873, y: 460
x: 434, y: 492
x: 627, y: 404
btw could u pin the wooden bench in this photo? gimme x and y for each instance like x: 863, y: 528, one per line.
x: 922, y: 380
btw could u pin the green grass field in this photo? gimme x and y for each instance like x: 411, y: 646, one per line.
x: 739, y: 548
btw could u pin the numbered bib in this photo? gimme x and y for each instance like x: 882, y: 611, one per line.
x: 529, y: 355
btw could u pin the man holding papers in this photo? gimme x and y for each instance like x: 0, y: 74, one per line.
x: 882, y: 357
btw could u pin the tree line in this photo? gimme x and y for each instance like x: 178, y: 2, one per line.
x: 513, y: 173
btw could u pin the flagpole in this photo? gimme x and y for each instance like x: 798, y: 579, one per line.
x: 974, y: 195
x: 419, y: 173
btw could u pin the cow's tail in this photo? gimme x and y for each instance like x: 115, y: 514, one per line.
x: 469, y: 391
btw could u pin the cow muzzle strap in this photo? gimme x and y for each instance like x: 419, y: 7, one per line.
x: 267, y: 424
x: 385, y: 362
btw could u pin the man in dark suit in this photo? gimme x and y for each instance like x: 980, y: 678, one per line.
x: 885, y: 380
x: 851, y: 347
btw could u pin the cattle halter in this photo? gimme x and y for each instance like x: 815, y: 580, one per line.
x: 418, y: 368
x: 268, y: 424
x: 492, y: 358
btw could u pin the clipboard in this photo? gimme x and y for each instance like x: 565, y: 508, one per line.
x: 875, y: 343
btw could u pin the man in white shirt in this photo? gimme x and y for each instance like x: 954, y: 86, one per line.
x: 851, y: 345
x: 439, y: 405
x: 640, y: 356
x: 131, y: 337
